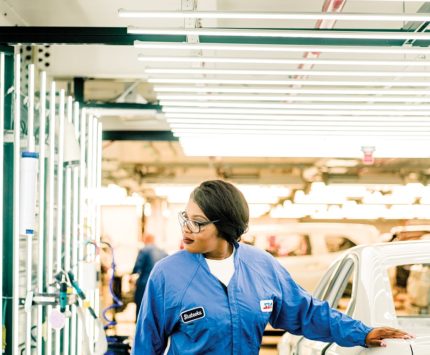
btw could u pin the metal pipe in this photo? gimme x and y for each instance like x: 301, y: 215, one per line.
x: 96, y: 220
x: 60, y: 178
x: 41, y: 235
x: 30, y: 127
x: 2, y: 91
x: 90, y: 211
x: 82, y: 194
x: 50, y: 205
x: 67, y: 240
x: 75, y: 224
x: 76, y: 118
x: 67, y: 225
x: 29, y: 236
x: 16, y: 183
x: 75, y: 246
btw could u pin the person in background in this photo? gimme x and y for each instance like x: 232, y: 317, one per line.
x: 217, y: 296
x: 146, y: 259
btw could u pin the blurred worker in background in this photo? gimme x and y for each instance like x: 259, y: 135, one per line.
x: 146, y: 259
x: 217, y: 296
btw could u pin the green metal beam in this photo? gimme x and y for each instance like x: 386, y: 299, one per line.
x: 121, y: 106
x: 78, y: 89
x: 8, y: 208
x: 119, y: 36
x: 139, y: 136
x: 77, y: 35
x: 8, y: 50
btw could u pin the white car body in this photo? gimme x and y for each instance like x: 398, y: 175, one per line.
x: 371, y: 300
x: 307, y: 270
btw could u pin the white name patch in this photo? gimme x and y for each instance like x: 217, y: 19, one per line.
x: 266, y: 305
x: 192, y: 314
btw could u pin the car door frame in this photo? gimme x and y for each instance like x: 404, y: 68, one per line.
x: 331, y: 288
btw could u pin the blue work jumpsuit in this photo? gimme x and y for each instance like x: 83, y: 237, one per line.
x: 185, y: 302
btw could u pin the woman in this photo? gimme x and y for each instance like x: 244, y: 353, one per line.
x: 217, y: 296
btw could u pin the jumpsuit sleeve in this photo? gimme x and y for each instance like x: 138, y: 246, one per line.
x: 299, y: 313
x: 150, y: 336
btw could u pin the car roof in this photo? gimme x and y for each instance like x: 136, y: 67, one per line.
x: 395, y: 253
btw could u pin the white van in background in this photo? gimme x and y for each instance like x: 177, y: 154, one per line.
x: 306, y: 250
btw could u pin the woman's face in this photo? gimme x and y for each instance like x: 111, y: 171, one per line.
x: 207, y: 240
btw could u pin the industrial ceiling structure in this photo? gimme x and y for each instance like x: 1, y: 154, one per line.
x: 278, y: 91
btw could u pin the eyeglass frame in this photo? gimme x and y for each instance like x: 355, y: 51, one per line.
x: 183, y: 221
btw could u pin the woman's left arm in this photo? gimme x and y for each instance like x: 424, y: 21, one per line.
x: 299, y: 313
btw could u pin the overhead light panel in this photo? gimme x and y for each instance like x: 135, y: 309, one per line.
x: 334, y: 16
x: 223, y: 81
x: 199, y: 117
x: 335, y: 34
x: 192, y: 122
x: 276, y: 48
x: 334, y: 98
x: 369, y: 107
x: 197, y: 59
x: 297, y: 125
x: 301, y: 110
x: 278, y: 72
x: 275, y: 90
x: 295, y: 146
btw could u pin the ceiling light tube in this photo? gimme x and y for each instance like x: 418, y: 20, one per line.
x: 155, y: 80
x: 295, y: 123
x: 215, y: 32
x: 205, y: 71
x: 293, y: 98
x: 389, y: 1
x: 296, y: 106
x: 305, y: 133
x: 275, y: 90
x: 170, y: 59
x: 305, y: 128
x: 335, y: 16
x: 280, y: 48
x: 287, y: 111
x: 314, y: 117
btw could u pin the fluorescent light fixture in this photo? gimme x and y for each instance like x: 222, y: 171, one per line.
x: 296, y: 146
x: 275, y: 90
x: 257, y: 210
x: 200, y: 117
x: 100, y: 112
x: 205, y: 71
x: 295, y: 106
x: 300, y: 111
x: 286, y: 132
x: 295, y: 211
x: 304, y: 129
x: 197, y: 59
x: 277, y: 48
x: 174, y: 193
x: 418, y: 36
x: 292, y: 98
x: 389, y: 1
x: 335, y: 16
x: 290, y: 123
x: 264, y: 194
x: 288, y: 82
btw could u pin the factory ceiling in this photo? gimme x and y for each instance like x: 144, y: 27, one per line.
x: 252, y: 91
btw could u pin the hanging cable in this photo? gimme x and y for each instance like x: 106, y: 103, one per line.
x: 117, y: 303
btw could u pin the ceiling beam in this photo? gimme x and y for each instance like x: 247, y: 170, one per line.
x: 119, y: 36
x: 139, y: 136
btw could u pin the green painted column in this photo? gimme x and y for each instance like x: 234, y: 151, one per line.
x: 8, y: 208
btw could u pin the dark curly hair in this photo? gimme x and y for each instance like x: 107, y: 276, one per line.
x: 222, y: 201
